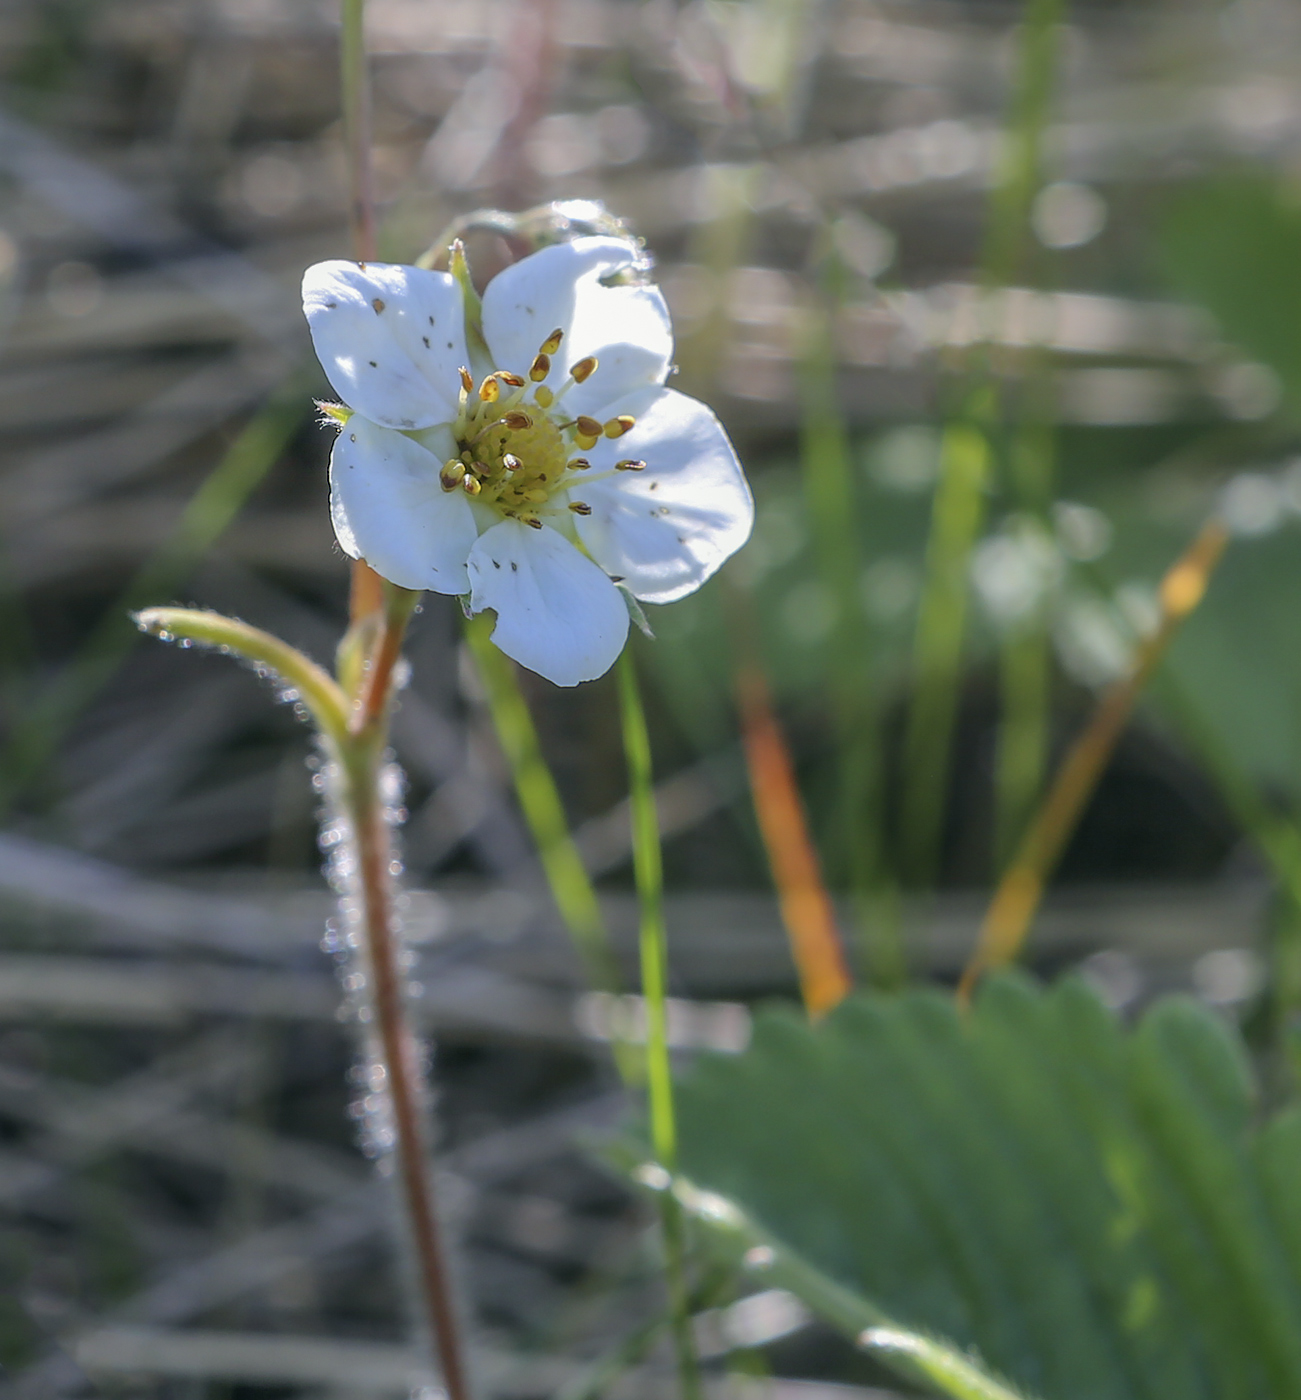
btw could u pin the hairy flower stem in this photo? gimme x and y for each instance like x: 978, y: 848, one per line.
x: 648, y: 871
x: 362, y: 758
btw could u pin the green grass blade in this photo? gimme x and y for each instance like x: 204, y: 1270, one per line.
x: 207, y: 516
x: 539, y: 799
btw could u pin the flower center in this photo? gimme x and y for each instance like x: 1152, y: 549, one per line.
x: 515, y: 452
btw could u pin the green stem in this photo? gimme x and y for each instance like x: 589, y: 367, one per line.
x: 734, y: 1237
x: 539, y: 800
x: 648, y: 870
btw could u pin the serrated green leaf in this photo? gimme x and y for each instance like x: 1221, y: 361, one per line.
x: 1090, y: 1209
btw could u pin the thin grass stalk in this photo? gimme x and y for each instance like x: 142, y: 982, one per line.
x: 966, y: 459
x: 367, y: 596
x: 959, y: 508
x: 544, y: 813
x: 1019, y: 893
x: 653, y: 945
x: 806, y: 907
x: 855, y: 837
x: 1025, y: 652
x: 208, y: 514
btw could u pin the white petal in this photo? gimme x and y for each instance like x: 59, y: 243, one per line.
x: 666, y: 529
x: 390, y: 339
x: 389, y: 509
x: 559, y: 288
x: 557, y: 613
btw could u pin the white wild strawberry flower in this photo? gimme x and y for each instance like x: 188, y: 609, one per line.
x: 534, y: 461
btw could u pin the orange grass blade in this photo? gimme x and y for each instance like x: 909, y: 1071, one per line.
x: 806, y: 907
x: 1008, y: 918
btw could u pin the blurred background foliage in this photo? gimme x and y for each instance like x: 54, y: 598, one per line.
x: 1041, y: 259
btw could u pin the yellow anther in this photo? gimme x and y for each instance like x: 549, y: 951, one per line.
x: 533, y: 522
x: 467, y: 381
x: 511, y: 462
x: 377, y: 304
x: 516, y: 421
x: 584, y: 369
x: 540, y: 368
x: 588, y: 427
x: 507, y: 377
x: 451, y: 474
x: 630, y: 464
x: 616, y: 427
x: 578, y: 464
x: 489, y: 390
x: 580, y: 507
x: 552, y: 343
x: 471, y: 484
x: 544, y: 396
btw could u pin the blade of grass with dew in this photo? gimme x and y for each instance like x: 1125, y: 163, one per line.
x: 649, y: 875
x: 1019, y: 892
x: 966, y: 459
x: 829, y: 493
x: 206, y: 517
x: 806, y: 907
x: 539, y: 799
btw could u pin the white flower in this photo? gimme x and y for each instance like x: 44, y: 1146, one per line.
x: 532, y: 467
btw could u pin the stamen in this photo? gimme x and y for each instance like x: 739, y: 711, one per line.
x: 533, y: 522
x: 580, y: 507
x: 471, y: 485
x: 489, y: 390
x: 516, y: 421
x: 467, y: 380
x: 507, y: 377
x: 587, y: 430
x: 584, y: 369
x: 511, y: 462
x: 578, y: 464
x: 540, y: 368
x: 552, y: 343
x: 544, y: 396
x: 630, y: 464
x: 616, y: 427
x: 451, y: 474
